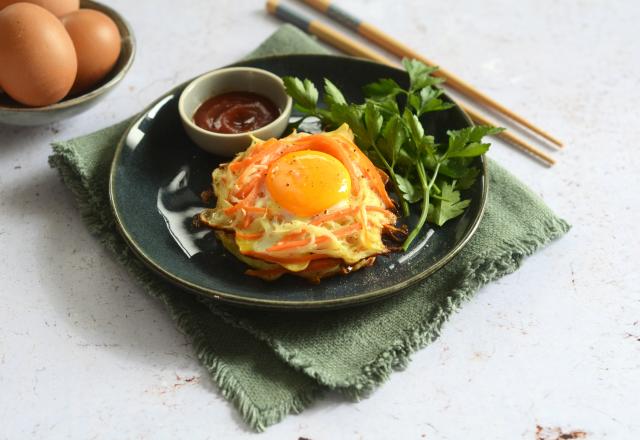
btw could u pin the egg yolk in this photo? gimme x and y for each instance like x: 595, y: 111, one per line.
x: 308, y: 182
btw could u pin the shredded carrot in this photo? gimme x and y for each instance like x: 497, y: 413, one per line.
x: 252, y: 181
x: 320, y: 219
x: 322, y: 239
x: 294, y: 235
x: 257, y: 153
x: 383, y: 176
x: 249, y: 235
x: 284, y: 245
x: 246, y: 189
x: 270, y: 146
x: 247, y: 209
x: 262, y: 150
x: 378, y: 187
x: 255, y: 209
x: 236, y: 166
x: 370, y: 170
x: 245, y: 206
x: 267, y: 153
x: 243, y: 203
x: 230, y: 210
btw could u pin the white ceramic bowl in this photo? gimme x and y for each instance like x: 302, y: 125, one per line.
x: 233, y: 79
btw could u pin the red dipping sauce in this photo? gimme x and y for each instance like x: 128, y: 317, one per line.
x: 235, y: 112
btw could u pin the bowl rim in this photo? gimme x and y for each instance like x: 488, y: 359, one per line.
x: 284, y: 114
x: 66, y: 103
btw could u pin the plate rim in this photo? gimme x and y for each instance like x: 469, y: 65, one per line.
x: 359, y: 299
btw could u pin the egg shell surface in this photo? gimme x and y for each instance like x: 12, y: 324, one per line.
x: 97, y: 43
x: 56, y: 7
x: 37, y: 55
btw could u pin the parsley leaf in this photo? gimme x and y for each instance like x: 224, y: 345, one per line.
x: 428, y: 100
x: 382, y: 89
x: 416, y: 131
x: 466, y: 142
x: 351, y: 115
x: 447, y: 204
x: 373, y: 121
x: 393, y: 135
x: 333, y: 95
x: 420, y: 74
x: 409, y: 191
x: 304, y: 93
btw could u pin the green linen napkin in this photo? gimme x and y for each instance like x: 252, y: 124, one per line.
x: 270, y: 364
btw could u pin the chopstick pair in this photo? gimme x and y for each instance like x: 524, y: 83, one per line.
x: 352, y: 47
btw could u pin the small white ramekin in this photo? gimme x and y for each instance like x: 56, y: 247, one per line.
x: 233, y: 79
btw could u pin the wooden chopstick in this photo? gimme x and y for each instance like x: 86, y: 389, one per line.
x: 352, y: 47
x: 394, y: 46
x: 510, y: 137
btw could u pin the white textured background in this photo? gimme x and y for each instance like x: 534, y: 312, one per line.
x: 85, y: 354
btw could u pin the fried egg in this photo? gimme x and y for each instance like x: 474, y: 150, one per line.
x: 311, y: 205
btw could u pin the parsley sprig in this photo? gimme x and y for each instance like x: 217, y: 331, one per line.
x: 388, y: 128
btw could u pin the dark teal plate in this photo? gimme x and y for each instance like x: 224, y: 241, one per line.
x: 158, y: 174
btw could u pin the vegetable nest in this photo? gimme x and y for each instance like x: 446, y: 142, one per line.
x: 311, y: 205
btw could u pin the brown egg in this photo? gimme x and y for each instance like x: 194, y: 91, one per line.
x: 97, y: 42
x: 56, y: 7
x: 37, y: 57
